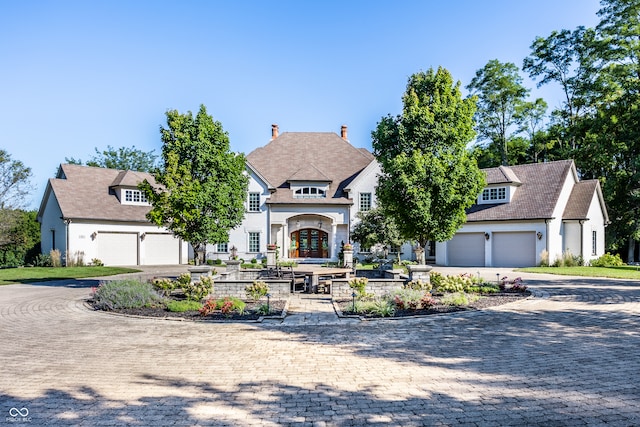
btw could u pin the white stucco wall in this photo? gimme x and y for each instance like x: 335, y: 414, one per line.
x: 595, y: 223
x: 50, y: 224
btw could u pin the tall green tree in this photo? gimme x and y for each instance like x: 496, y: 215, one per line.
x: 20, y: 242
x: 428, y: 177
x: 376, y: 228
x: 533, y: 114
x: 15, y: 186
x: 501, y: 94
x: 202, y: 184
x: 123, y: 158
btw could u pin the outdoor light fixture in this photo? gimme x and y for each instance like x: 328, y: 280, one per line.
x: 486, y: 236
x: 142, y: 236
x: 94, y: 235
x: 353, y: 307
x: 268, y: 303
x: 320, y: 224
x: 539, y: 234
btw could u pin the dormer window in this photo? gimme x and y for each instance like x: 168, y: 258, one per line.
x: 310, y: 192
x: 134, y: 197
x: 494, y: 195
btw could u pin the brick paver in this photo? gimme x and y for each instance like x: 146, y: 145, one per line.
x: 569, y: 357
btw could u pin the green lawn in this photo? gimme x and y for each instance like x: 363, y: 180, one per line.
x: 623, y: 272
x: 41, y: 274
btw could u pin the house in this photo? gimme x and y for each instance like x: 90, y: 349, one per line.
x: 97, y: 213
x: 526, y: 210
x: 305, y: 189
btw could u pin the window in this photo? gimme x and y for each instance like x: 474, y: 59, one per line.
x: 594, y: 242
x: 365, y: 202
x: 135, y: 196
x: 309, y: 193
x: 491, y: 194
x: 254, y: 202
x: 223, y: 247
x: 254, y: 242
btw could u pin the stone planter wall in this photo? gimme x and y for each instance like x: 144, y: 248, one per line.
x: 379, y: 287
x: 278, y: 289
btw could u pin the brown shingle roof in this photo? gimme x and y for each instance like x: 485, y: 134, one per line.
x: 84, y: 193
x: 311, y: 156
x: 580, y: 200
x: 535, y: 198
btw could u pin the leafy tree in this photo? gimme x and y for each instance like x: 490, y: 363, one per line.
x: 202, y: 185
x: 533, y: 114
x: 376, y: 228
x: 122, y: 158
x: 428, y: 177
x: 500, y: 98
x: 21, y: 240
x: 14, y: 182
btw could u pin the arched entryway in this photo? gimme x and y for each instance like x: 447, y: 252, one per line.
x: 309, y: 243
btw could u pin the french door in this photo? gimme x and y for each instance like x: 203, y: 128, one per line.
x: 309, y: 243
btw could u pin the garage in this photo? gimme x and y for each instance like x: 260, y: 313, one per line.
x: 161, y: 249
x: 118, y: 248
x: 466, y: 250
x: 514, y: 249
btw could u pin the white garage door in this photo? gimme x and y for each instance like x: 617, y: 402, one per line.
x: 466, y: 250
x: 118, y: 248
x: 517, y: 249
x: 161, y: 249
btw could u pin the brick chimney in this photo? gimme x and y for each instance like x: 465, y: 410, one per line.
x: 343, y: 132
x: 274, y: 131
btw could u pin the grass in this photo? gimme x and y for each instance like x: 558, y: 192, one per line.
x: 43, y: 274
x: 623, y: 272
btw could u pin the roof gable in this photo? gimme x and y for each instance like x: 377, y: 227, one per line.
x: 83, y: 192
x: 537, y: 195
x: 309, y: 156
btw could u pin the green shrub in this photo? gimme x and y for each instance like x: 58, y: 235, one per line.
x: 263, y: 309
x: 257, y: 290
x: 128, y: 293
x: 96, y: 262
x: 483, y: 289
x: 226, y: 305
x: 568, y: 260
x: 182, y: 306
x: 164, y: 285
x: 197, y: 291
x: 457, y: 299
x: 406, y: 298
x: 42, y: 260
x: 607, y: 260
x: 358, y: 284
x: 380, y: 307
x: 419, y: 285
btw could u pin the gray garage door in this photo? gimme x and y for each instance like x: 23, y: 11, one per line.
x: 516, y: 249
x: 466, y: 250
x: 161, y: 249
x: 118, y: 248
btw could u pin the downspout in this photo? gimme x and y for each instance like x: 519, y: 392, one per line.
x: 66, y: 239
x: 581, y: 239
x: 546, y: 224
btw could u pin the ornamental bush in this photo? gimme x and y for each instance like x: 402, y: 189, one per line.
x: 419, y: 285
x: 358, y: 284
x: 197, y: 291
x: 607, y: 260
x: 257, y: 290
x: 128, y: 293
x: 164, y: 285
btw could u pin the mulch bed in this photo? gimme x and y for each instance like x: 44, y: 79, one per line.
x: 486, y: 301
x: 277, y: 307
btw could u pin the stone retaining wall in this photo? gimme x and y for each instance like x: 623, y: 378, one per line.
x: 340, y: 287
x: 278, y: 289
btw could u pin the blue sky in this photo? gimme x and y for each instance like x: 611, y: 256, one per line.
x: 76, y: 75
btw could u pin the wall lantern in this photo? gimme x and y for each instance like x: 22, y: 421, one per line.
x: 539, y: 234
x: 94, y: 235
x: 142, y: 236
x: 486, y: 236
x: 320, y: 224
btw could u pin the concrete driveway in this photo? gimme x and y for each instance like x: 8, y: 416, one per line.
x: 569, y: 357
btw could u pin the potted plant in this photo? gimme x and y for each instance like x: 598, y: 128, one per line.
x: 348, y: 247
x: 272, y: 246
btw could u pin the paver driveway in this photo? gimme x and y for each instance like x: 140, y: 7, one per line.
x: 569, y: 358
